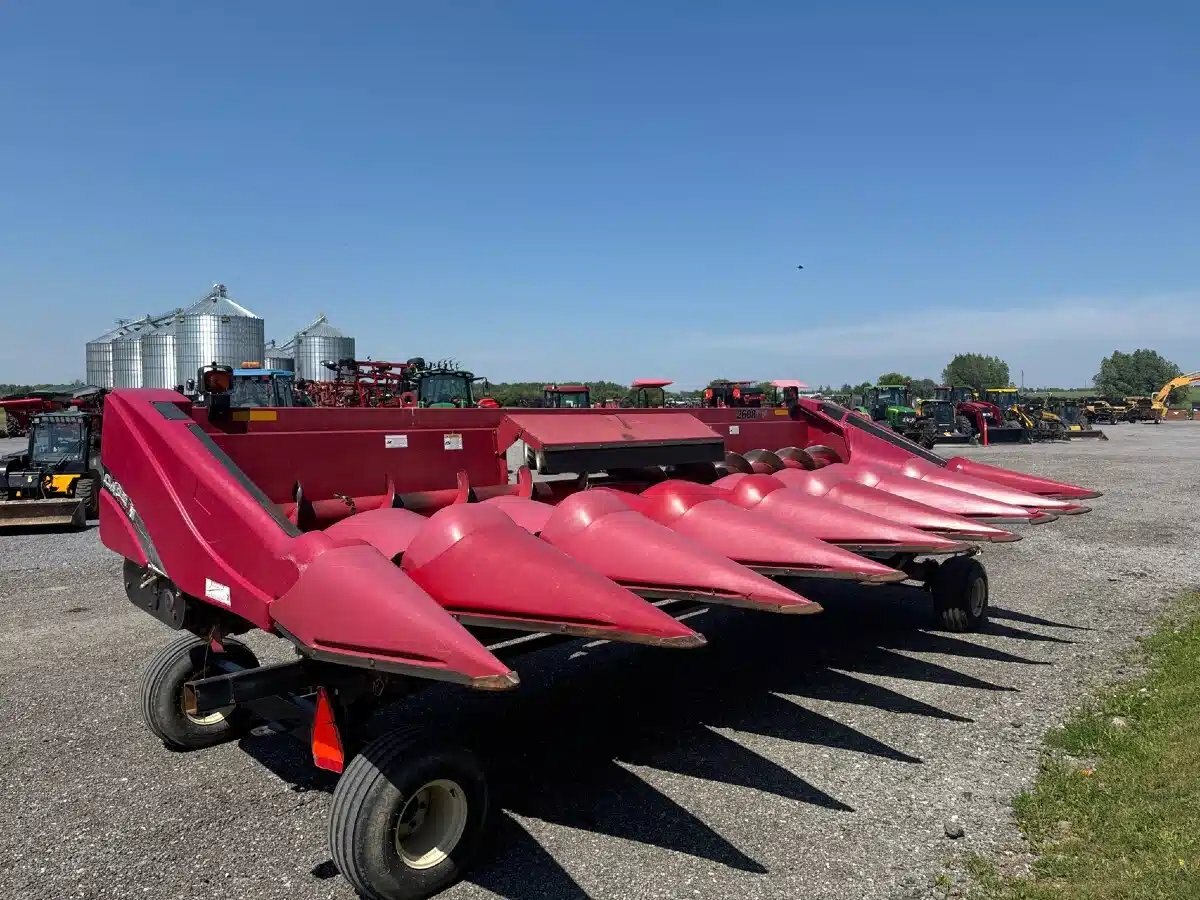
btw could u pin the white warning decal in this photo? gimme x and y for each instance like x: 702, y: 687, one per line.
x: 395, y: 441
x: 451, y: 441
x: 216, y: 591
x: 735, y: 429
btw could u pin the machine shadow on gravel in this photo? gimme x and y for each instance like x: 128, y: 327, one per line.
x: 566, y: 748
x: 1014, y: 616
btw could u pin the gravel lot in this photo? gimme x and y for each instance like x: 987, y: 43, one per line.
x: 815, y: 758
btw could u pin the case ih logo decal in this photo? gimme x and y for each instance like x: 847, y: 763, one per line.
x: 118, y: 493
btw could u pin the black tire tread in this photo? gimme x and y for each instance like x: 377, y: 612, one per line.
x: 948, y: 589
x: 953, y: 619
x: 352, y: 790
x: 85, y: 492
x: 160, y: 664
x: 355, y: 787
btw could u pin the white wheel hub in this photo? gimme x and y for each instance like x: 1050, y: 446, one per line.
x: 216, y: 717
x: 431, y: 824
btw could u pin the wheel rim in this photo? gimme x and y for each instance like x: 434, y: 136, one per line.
x: 978, y: 598
x: 431, y: 824
x: 216, y: 717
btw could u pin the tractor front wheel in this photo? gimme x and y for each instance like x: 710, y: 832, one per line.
x: 408, y: 814
x: 85, y: 492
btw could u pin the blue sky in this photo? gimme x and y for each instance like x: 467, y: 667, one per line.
x: 619, y: 189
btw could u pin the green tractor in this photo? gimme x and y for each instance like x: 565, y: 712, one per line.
x: 892, y: 405
x: 445, y: 385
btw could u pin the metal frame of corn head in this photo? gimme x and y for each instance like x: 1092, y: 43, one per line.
x: 396, y: 547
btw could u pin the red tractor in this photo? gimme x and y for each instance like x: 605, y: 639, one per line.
x: 972, y: 414
x: 723, y: 393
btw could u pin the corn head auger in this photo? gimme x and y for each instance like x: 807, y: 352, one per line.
x: 393, y: 547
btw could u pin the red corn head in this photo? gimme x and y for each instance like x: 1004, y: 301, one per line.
x: 1034, y: 484
x: 601, y: 530
x: 989, y: 490
x: 889, y: 506
x: 961, y: 504
x: 829, y: 520
x: 699, y: 513
x: 386, y: 529
x: 486, y: 570
x: 352, y: 603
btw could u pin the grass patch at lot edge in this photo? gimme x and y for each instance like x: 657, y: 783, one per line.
x: 1115, y: 810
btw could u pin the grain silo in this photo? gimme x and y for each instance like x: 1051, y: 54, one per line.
x: 159, y: 354
x: 127, y: 353
x: 277, y: 357
x: 312, y: 346
x: 98, y: 357
x: 216, y: 330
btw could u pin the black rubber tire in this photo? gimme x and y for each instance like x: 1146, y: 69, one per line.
x: 953, y: 585
x: 85, y: 490
x: 963, y: 424
x: 368, y: 801
x: 183, y: 660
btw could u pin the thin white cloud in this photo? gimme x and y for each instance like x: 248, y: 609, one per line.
x: 1058, y: 341
x: 980, y: 329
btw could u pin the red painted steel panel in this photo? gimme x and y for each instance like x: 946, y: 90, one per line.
x: 601, y: 530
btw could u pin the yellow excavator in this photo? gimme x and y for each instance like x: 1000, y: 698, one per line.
x: 1158, y: 402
